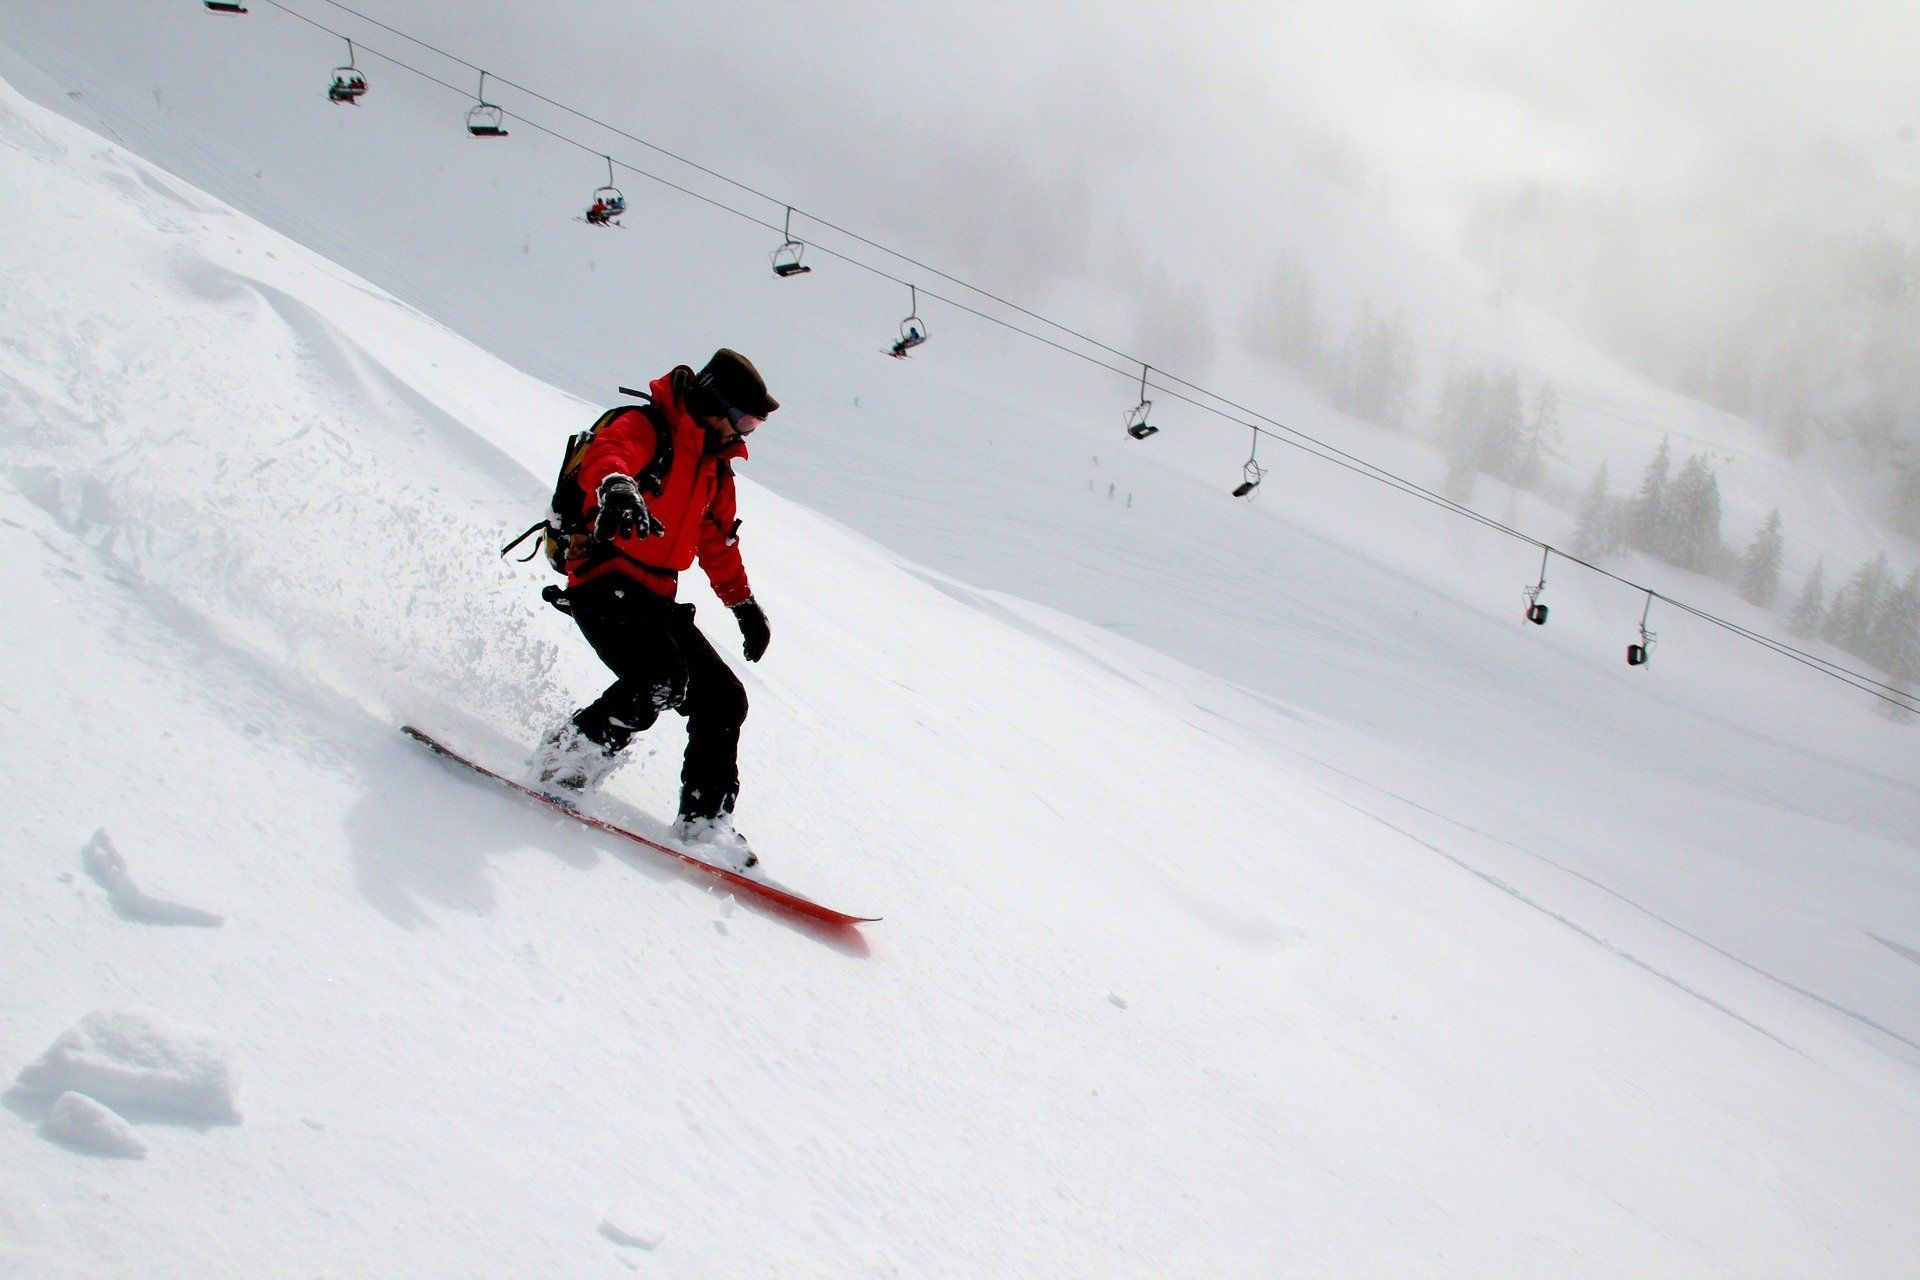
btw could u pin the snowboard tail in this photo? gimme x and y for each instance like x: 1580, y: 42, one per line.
x: 771, y: 894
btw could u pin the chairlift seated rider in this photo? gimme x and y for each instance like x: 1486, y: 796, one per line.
x: 910, y: 337
x: 605, y: 209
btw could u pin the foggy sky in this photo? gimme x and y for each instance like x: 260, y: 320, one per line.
x: 1120, y: 113
x: 1153, y: 146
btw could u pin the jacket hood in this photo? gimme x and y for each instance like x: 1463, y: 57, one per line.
x: 669, y: 392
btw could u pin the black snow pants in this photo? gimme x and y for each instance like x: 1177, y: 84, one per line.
x: 663, y: 663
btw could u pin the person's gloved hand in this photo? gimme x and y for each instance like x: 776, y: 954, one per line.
x: 623, y: 512
x: 754, y: 631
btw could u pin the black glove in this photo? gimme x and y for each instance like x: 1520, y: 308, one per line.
x: 623, y: 512
x: 753, y: 628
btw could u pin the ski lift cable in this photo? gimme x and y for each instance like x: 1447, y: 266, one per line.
x: 1273, y: 428
x: 1359, y: 464
x: 771, y: 199
x: 749, y: 189
x: 828, y: 224
x: 1826, y: 666
x: 1304, y: 442
x: 1367, y: 467
x: 1891, y: 694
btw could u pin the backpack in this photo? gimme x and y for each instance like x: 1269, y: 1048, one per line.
x: 565, y: 533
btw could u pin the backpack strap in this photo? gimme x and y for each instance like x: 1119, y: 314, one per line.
x: 653, y: 477
x: 536, y: 527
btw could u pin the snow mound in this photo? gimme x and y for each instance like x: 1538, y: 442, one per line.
x: 131, y: 1059
x: 630, y: 1230
x: 77, y: 1121
x: 104, y: 863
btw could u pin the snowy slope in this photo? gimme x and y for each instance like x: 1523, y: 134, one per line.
x: 1162, y: 990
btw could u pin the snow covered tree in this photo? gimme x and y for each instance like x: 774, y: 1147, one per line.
x: 1856, y: 605
x: 1284, y: 322
x: 1461, y: 405
x: 1692, y: 524
x: 1810, y: 610
x: 1503, y: 428
x: 1483, y: 423
x: 1893, y: 640
x: 1597, y: 532
x: 1646, y: 512
x: 1760, y: 567
x: 1906, y: 488
x: 1377, y: 369
x: 1539, y: 437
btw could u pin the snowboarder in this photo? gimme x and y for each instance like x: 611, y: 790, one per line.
x: 621, y: 592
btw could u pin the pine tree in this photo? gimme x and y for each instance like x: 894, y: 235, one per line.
x: 1893, y: 640
x: 1291, y: 327
x: 1377, y: 369
x: 1810, y: 610
x: 1856, y: 605
x: 1483, y: 422
x: 1646, y: 519
x: 1597, y: 533
x: 1462, y: 402
x: 1503, y: 429
x: 1906, y: 487
x: 1691, y: 528
x: 1760, y: 567
x: 1540, y: 440
x: 1896, y: 643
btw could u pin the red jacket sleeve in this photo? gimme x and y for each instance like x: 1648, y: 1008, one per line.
x: 719, y: 548
x: 621, y: 447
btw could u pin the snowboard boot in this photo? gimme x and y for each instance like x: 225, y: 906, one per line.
x: 714, y: 840
x: 567, y: 760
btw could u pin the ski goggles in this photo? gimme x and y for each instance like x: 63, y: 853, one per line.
x: 743, y: 423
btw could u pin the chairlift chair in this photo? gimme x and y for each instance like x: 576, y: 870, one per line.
x: 1537, y: 612
x: 348, y: 84
x: 913, y: 330
x: 1637, y: 654
x: 607, y: 203
x: 1252, y: 473
x: 225, y: 6
x: 485, y: 120
x: 786, y: 259
x: 1137, y: 425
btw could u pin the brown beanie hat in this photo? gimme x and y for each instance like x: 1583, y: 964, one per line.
x: 732, y: 377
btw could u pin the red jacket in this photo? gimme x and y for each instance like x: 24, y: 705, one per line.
x: 695, y: 501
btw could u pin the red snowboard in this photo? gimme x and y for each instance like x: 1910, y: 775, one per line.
x: 772, y: 894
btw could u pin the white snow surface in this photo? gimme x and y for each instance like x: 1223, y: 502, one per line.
x: 1437, y: 945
